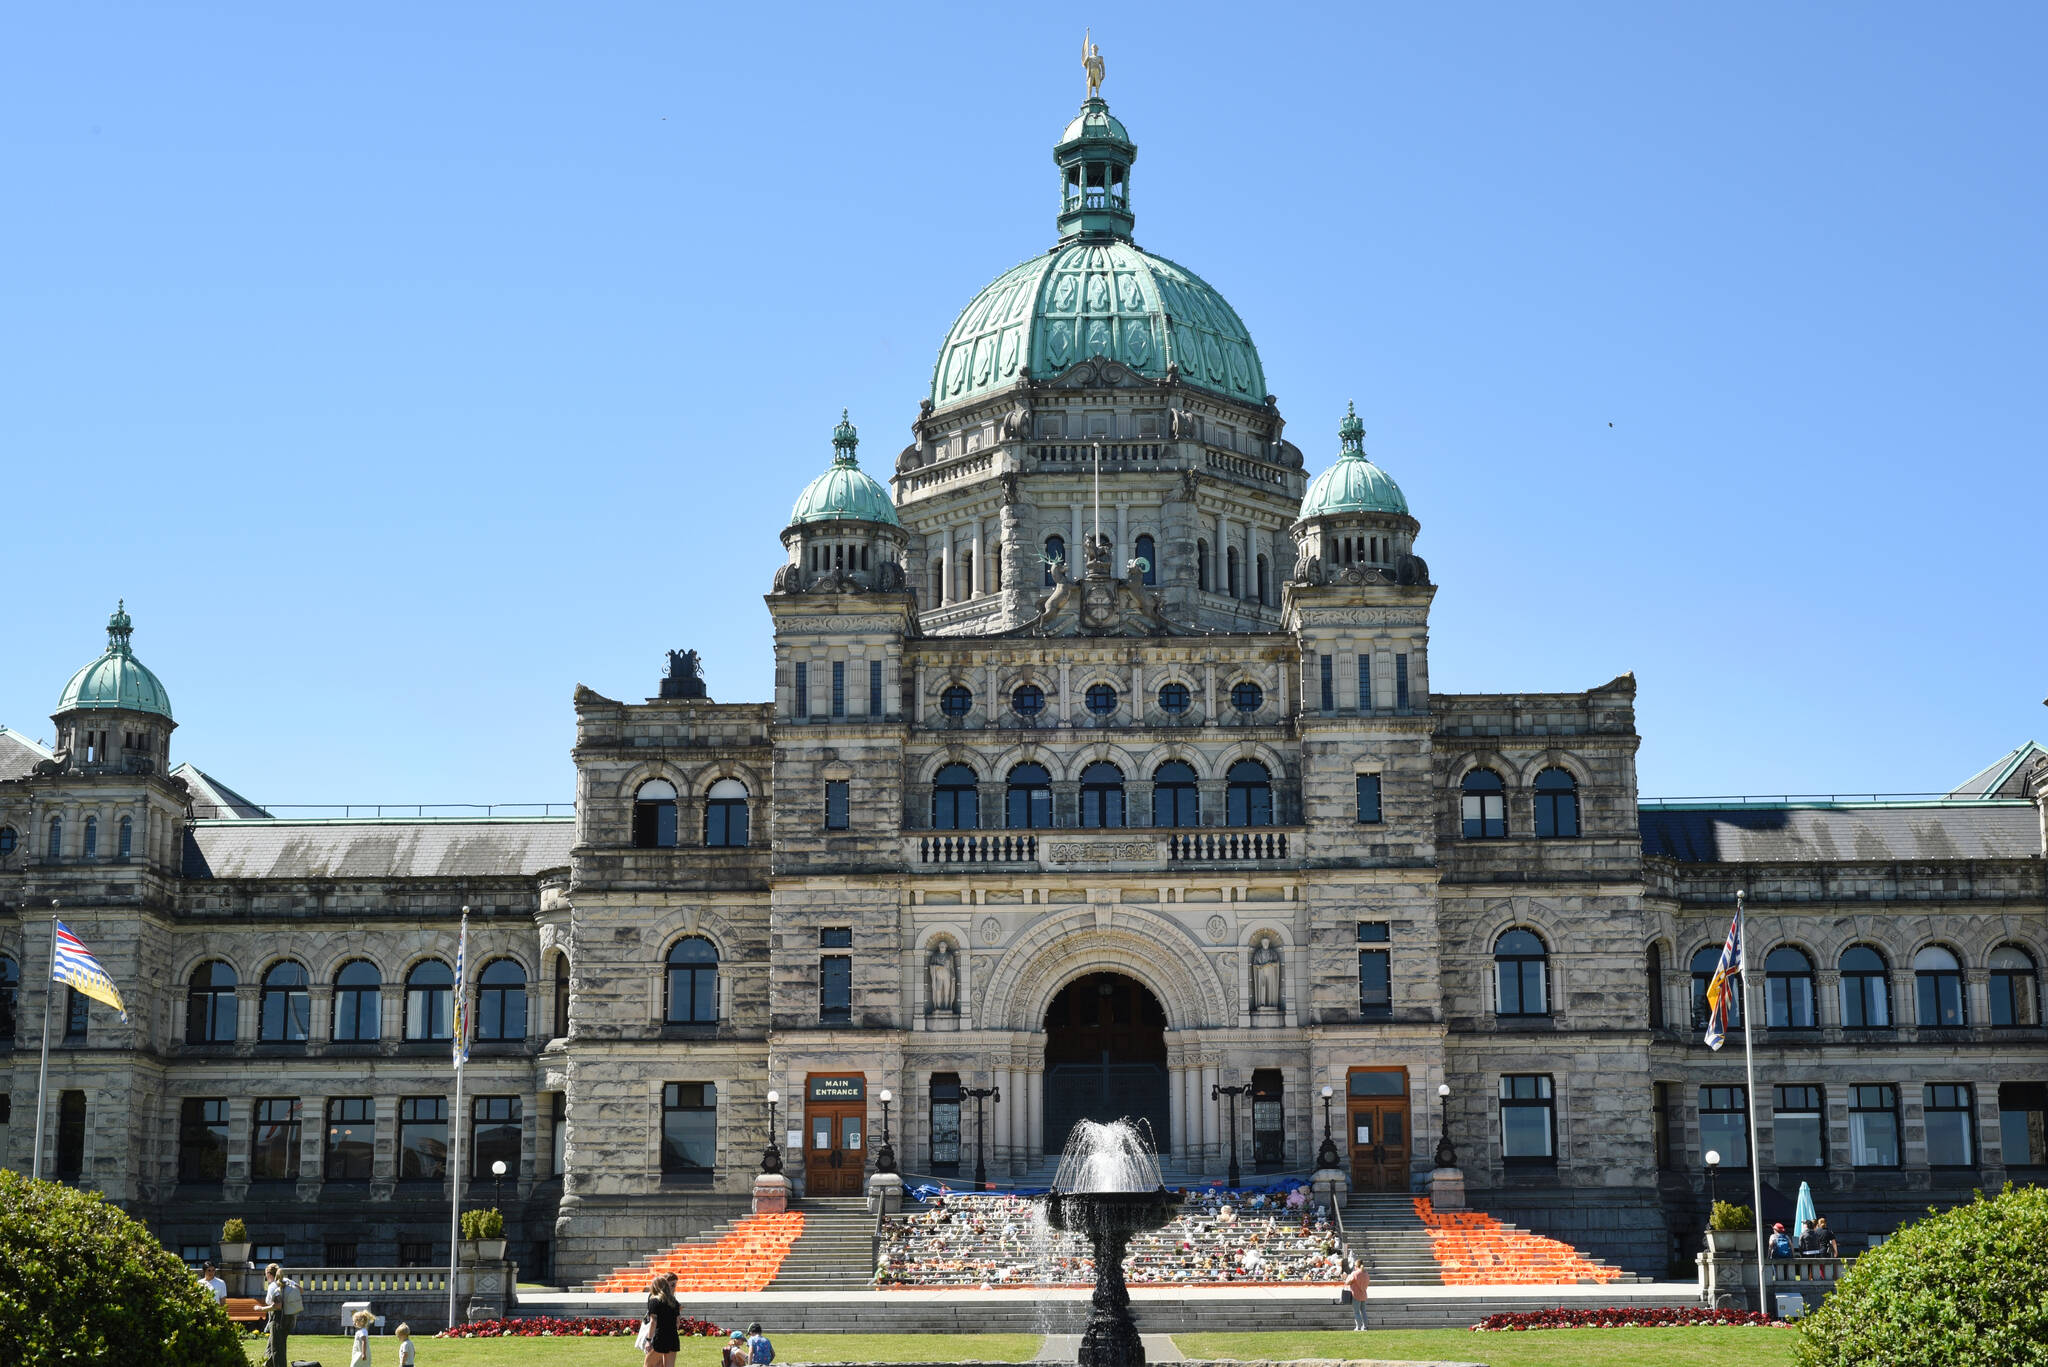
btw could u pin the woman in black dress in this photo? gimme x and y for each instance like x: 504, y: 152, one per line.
x: 663, y: 1310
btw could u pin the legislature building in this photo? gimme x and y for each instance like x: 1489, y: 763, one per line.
x: 1104, y: 769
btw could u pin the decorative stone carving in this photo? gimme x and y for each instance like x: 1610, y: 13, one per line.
x: 1219, y: 929
x: 1266, y: 975
x: 942, y: 968
x: 991, y: 930
x: 1100, y: 605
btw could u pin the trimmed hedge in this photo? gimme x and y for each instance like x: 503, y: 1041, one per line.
x: 1966, y: 1287
x: 80, y: 1282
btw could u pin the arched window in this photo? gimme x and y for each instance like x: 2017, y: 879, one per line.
x: 210, y: 1004
x: 1522, y: 967
x: 8, y: 840
x: 127, y: 846
x: 1653, y: 970
x: 1866, y: 989
x: 654, y: 815
x: 1704, y: 961
x: 938, y: 581
x: 957, y: 701
x: 1175, y: 799
x: 1938, y: 985
x: 287, y: 1008
x: 56, y: 837
x: 92, y: 837
x: 1788, y: 990
x: 965, y: 588
x: 1259, y: 568
x: 1230, y: 571
x: 10, y: 998
x: 358, y: 1001
x: 1202, y: 566
x: 1027, y: 700
x: 692, y: 982
x: 1029, y: 805
x: 426, y: 1001
x: 1557, y: 805
x: 1484, y: 805
x: 2015, y: 988
x: 1249, y: 797
x: 725, y: 813
x: 1102, y: 796
x: 501, y: 1001
x: 561, y: 996
x: 1055, y: 559
x: 956, y: 802
x: 1150, y: 557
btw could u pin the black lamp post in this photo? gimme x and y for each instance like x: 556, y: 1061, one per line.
x: 771, y: 1152
x: 498, y: 1184
x: 995, y: 1096
x: 1446, y: 1156
x: 1326, y: 1156
x: 1217, y: 1090
x: 1713, y: 1170
x: 885, y: 1157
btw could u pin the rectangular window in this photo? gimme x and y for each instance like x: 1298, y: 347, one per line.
x: 1724, y: 1124
x: 416, y: 1255
x: 1365, y: 682
x: 71, y: 1136
x: 339, y: 1254
x: 1368, y: 799
x: 494, y: 1135
x: 1798, y: 1139
x: 801, y: 697
x: 422, y: 1138
x: 1528, y: 1119
x: 1329, y: 683
x: 835, y: 988
x: 836, y: 804
x: 2023, y: 1123
x: 689, y: 1129
x: 274, y: 1140
x: 836, y: 937
x: 1373, y: 933
x: 1874, y: 1126
x: 1401, y: 682
x: 875, y: 708
x: 75, y: 1018
x: 1375, y: 985
x: 1661, y: 1128
x: 351, y: 1139
x: 839, y: 688
x: 946, y: 1122
x: 1951, y: 1127
x: 202, y: 1139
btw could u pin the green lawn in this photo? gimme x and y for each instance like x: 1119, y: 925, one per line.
x: 333, y: 1350
x: 1713, y: 1346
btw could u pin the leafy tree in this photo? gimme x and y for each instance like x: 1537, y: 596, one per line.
x: 1966, y: 1287
x: 80, y: 1282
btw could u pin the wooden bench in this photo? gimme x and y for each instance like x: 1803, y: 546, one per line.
x: 246, y: 1311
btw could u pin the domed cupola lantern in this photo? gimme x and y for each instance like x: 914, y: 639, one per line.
x: 1095, y: 155
x: 115, y: 715
x: 843, y: 533
x: 1355, y: 527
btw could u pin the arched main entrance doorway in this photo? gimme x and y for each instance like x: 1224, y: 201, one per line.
x: 1105, y: 1058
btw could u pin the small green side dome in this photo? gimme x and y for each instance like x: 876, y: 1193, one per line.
x: 1354, y: 484
x: 116, y: 679
x: 844, y: 493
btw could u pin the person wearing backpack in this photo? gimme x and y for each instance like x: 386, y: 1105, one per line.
x: 759, y: 1349
x: 279, y: 1298
x: 1781, y: 1242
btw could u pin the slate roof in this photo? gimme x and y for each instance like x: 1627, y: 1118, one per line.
x: 212, y: 798
x: 1877, y: 831
x: 2005, y: 776
x: 19, y: 755
x: 503, y: 847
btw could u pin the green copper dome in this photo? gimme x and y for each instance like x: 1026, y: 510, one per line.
x: 1354, y: 484
x: 1096, y: 294
x: 844, y: 492
x: 116, y: 679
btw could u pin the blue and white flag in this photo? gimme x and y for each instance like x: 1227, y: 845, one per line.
x: 74, y: 964
x: 461, y: 997
x: 1721, y: 988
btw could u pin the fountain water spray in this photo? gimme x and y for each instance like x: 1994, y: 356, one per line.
x: 1107, y: 1190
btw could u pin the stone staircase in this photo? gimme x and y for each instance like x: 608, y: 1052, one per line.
x: 1472, y: 1248
x: 835, y: 1251
x: 740, y: 1254
x: 1386, y: 1234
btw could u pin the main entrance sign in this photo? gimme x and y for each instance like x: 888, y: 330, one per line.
x: 835, y: 1134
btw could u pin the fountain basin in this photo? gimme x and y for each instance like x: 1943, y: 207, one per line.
x: 1099, y: 1213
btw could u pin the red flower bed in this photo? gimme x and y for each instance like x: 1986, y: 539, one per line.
x: 1624, y: 1317
x: 583, y: 1326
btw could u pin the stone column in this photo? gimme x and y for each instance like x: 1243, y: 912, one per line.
x: 1075, y: 560
x: 951, y: 575
x: 1176, y: 1108
x: 1123, y: 538
x: 1034, y: 1112
x: 1212, y: 1138
x: 977, y: 571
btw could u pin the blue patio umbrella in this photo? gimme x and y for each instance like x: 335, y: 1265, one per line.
x: 1802, y: 1211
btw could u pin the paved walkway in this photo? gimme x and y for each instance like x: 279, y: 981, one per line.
x: 1067, y: 1347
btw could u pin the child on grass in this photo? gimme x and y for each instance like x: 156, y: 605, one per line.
x: 404, y: 1336
x: 360, y: 1355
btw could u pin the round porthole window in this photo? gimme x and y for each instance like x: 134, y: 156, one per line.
x: 956, y: 701
x: 1173, y: 698
x: 1101, y: 699
x: 1028, y: 700
x: 1247, y: 696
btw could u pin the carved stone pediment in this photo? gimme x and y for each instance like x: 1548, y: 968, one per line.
x: 1099, y: 372
x: 1100, y: 605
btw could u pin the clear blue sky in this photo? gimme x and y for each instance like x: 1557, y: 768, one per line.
x: 405, y: 365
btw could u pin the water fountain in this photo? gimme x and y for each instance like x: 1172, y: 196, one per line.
x: 1107, y: 1190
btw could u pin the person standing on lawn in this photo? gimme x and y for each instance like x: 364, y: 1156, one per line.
x: 1356, y: 1284
x: 663, y: 1311
x: 403, y: 1333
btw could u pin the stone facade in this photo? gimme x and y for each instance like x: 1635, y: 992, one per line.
x: 1207, y: 725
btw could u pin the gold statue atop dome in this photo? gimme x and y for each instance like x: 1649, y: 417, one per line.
x: 1091, y: 60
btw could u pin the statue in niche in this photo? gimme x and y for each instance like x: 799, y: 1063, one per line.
x: 943, y: 967
x: 1266, y: 975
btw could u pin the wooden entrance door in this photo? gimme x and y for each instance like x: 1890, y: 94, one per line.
x: 1379, y: 1129
x: 835, y: 1135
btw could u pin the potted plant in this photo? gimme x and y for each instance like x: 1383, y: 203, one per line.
x: 483, y: 1236
x: 234, y: 1243
x: 1728, y: 1226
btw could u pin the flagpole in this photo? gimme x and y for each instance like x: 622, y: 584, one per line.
x: 43, y: 1074
x: 455, y: 1123
x: 1756, y: 1165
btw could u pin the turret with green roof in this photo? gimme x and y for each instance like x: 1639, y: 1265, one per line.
x: 843, y: 532
x: 1355, y: 524
x: 115, y: 713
